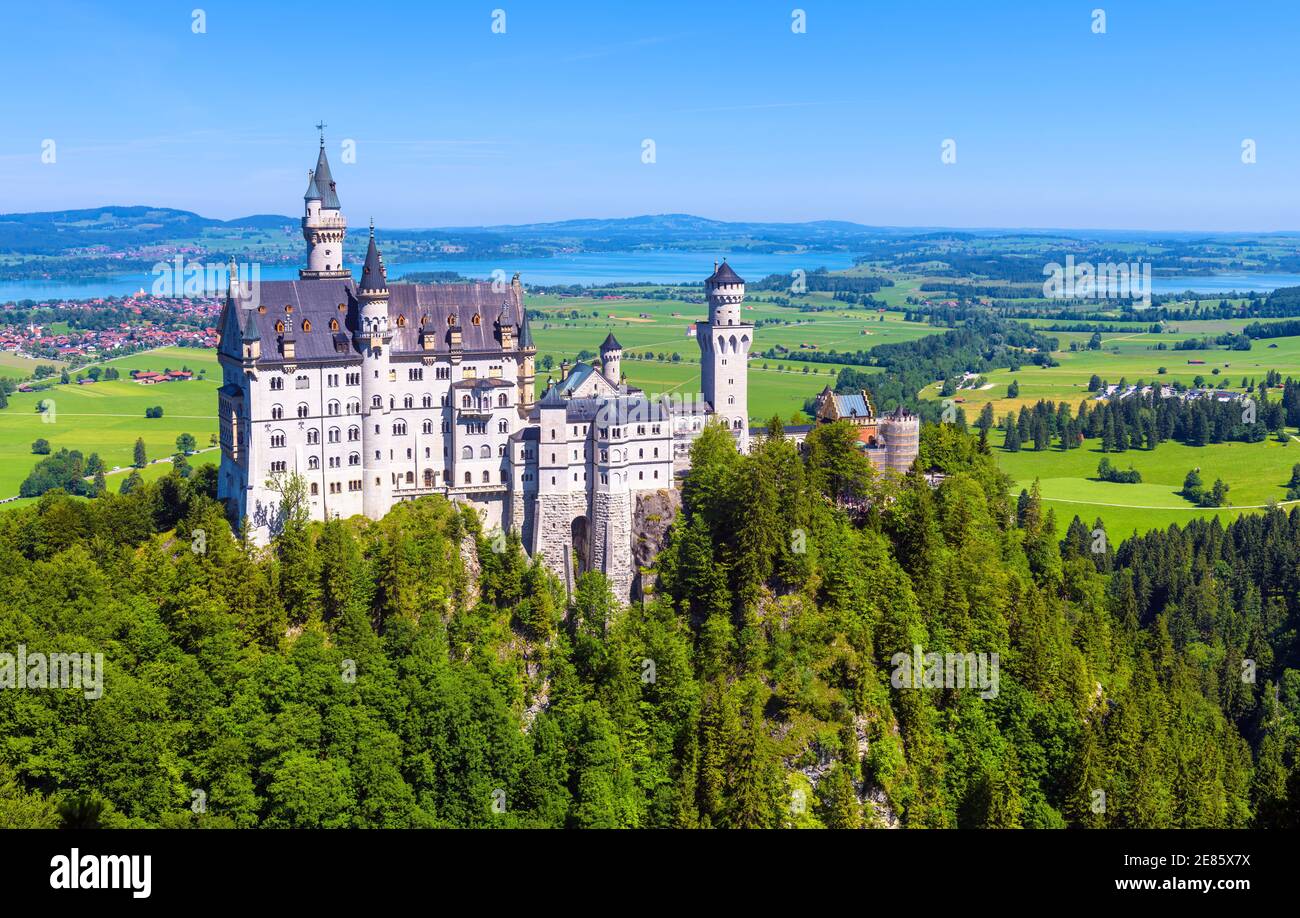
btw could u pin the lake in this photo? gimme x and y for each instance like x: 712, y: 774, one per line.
x: 584, y: 268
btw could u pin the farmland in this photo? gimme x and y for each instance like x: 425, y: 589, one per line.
x: 108, y: 416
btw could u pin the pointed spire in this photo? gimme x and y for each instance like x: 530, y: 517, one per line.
x: 325, y: 181
x: 525, y: 331
x: 373, y: 276
x: 312, y: 193
x: 610, y: 344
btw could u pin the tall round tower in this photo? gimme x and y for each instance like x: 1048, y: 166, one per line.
x: 323, y: 225
x: 372, y: 337
x: 724, y: 352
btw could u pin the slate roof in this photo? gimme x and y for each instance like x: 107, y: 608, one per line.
x: 610, y: 344
x: 312, y: 193
x: 724, y: 275
x: 318, y: 301
x: 324, y: 182
x: 373, y: 275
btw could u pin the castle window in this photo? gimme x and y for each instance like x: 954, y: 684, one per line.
x: 503, y: 427
x: 377, y: 402
x: 313, y: 462
x: 277, y: 383
x: 399, y: 429
x: 333, y: 407
x: 354, y: 459
x: 475, y: 319
x: 487, y: 477
x: 277, y: 439
x: 467, y: 452
x: 408, y: 402
x: 354, y: 434
x: 502, y: 401
x: 306, y: 325
x: 446, y: 427
x: 279, y: 328
x: 334, y: 325
x: 279, y: 466
x: 427, y: 427
x: 354, y: 407
x: 303, y: 410
x: 485, y: 452
x: 469, y: 479
x: 401, y: 321
x: 333, y: 435
x: 465, y: 401
x: 302, y: 382
x: 277, y: 412
x: 313, y: 438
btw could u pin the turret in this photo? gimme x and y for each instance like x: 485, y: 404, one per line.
x: 372, y: 338
x: 611, y: 356
x: 323, y: 225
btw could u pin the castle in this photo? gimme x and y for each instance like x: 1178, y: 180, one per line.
x: 376, y: 394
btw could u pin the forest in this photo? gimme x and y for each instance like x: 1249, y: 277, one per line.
x: 418, y: 671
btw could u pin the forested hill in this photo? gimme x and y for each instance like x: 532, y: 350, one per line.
x: 402, y: 673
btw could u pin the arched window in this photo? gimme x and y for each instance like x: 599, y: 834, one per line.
x: 485, y: 452
x: 277, y: 412
x: 737, y: 424
x: 465, y: 401
x: 410, y: 478
x: 277, y: 438
x: 427, y: 427
x: 303, y: 410
x: 467, y: 452
x: 503, y: 427
x: 354, y: 406
x: 428, y: 478
x: 377, y: 402
x: 313, y: 462
x: 469, y: 479
x: 333, y: 435
x: 408, y: 402
x: 354, y: 434
x: 277, y: 383
x: 333, y: 407
x: 313, y: 436
x: 426, y: 400
x: 502, y: 401
x: 399, y: 429
x: 354, y: 458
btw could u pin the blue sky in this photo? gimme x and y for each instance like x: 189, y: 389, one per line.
x: 1055, y: 126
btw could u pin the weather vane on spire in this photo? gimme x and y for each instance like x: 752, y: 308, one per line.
x: 320, y: 126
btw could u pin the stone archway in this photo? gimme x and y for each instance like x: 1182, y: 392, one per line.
x: 580, y: 534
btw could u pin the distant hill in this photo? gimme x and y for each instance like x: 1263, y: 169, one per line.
x: 60, y: 231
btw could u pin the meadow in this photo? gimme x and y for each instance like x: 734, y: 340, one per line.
x: 108, y: 416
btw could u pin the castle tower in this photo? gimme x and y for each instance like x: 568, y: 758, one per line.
x: 552, y: 526
x: 372, y: 338
x: 611, y: 356
x: 527, y: 359
x: 323, y: 225
x: 724, y: 343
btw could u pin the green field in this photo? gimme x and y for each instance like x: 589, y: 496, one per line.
x: 107, y: 417
x: 1131, y: 355
x: 1256, y: 473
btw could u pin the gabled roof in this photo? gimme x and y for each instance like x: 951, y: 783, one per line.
x: 853, y: 405
x: 324, y: 181
x: 724, y: 275
x: 610, y: 344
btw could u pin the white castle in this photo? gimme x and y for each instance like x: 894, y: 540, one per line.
x: 376, y: 394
